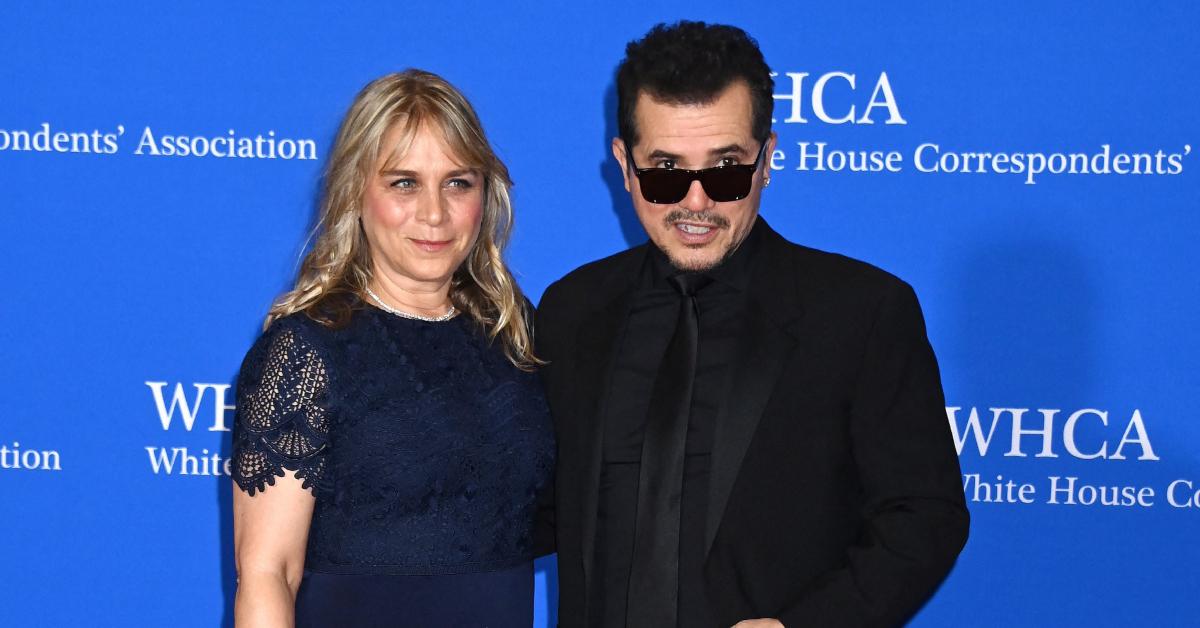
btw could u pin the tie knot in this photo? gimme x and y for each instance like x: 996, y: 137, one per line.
x: 688, y: 284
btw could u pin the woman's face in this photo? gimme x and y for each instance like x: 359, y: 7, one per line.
x: 420, y: 213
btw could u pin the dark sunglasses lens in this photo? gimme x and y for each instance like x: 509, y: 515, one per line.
x: 731, y: 183
x: 660, y: 185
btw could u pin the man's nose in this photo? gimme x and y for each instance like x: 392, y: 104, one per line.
x: 697, y: 199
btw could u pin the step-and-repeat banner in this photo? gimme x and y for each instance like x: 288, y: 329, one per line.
x: 1030, y: 169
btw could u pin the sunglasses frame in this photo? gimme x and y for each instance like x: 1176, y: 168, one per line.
x: 698, y: 175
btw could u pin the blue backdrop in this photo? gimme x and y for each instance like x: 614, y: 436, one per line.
x: 1042, y: 199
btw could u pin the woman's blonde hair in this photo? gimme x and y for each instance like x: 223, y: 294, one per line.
x: 334, y: 275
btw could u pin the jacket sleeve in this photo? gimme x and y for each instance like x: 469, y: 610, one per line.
x: 545, y: 529
x: 915, y: 515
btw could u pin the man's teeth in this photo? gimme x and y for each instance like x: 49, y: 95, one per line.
x: 693, y: 229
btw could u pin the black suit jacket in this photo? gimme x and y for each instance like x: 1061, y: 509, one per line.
x: 835, y: 493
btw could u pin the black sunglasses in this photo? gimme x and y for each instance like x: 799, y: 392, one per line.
x: 721, y: 183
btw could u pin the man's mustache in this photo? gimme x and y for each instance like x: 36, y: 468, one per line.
x: 708, y: 218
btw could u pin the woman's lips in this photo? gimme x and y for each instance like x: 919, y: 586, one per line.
x: 431, y: 246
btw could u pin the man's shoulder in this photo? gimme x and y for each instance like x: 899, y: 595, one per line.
x: 836, y: 291
x: 815, y: 269
x: 586, y: 282
x: 568, y: 301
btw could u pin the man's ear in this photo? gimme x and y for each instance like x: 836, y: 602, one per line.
x: 770, y: 150
x: 618, y: 150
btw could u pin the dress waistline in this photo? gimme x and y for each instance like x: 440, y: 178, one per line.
x: 417, y: 570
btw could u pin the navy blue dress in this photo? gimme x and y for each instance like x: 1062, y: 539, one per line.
x: 426, y: 450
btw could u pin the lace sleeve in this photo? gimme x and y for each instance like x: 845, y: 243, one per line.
x: 281, y: 422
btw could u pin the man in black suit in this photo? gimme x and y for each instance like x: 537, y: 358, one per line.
x: 751, y: 432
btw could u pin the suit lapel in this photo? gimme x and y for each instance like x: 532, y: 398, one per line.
x: 754, y: 373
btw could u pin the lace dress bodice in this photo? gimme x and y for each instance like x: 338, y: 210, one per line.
x: 425, y: 447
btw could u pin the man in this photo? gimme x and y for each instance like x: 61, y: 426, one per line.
x: 750, y: 432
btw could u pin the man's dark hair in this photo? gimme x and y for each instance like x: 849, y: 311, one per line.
x: 690, y: 63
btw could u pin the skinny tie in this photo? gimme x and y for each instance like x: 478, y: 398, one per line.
x: 654, y: 573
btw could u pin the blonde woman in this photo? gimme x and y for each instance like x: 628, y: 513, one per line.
x: 392, y: 440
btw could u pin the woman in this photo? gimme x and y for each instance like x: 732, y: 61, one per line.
x: 391, y: 438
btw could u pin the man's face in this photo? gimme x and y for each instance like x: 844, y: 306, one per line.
x: 697, y: 233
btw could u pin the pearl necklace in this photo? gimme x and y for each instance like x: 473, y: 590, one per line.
x: 416, y: 317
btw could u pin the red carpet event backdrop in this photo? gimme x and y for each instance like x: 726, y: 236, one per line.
x: 1031, y: 168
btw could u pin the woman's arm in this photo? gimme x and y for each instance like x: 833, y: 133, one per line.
x: 270, y: 532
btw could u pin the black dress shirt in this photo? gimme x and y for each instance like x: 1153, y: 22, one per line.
x: 648, y: 330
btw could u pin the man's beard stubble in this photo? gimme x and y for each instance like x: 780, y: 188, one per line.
x: 711, y: 218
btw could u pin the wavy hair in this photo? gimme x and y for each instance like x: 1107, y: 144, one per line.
x: 334, y: 275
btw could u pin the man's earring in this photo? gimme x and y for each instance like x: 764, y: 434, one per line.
x: 766, y: 181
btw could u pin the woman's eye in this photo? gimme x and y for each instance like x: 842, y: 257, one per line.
x: 460, y: 183
x: 404, y: 184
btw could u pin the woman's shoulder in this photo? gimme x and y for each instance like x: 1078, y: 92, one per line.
x: 301, y: 324
x: 321, y: 322
x: 293, y: 339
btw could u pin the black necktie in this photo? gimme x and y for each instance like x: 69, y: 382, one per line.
x: 654, y: 574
